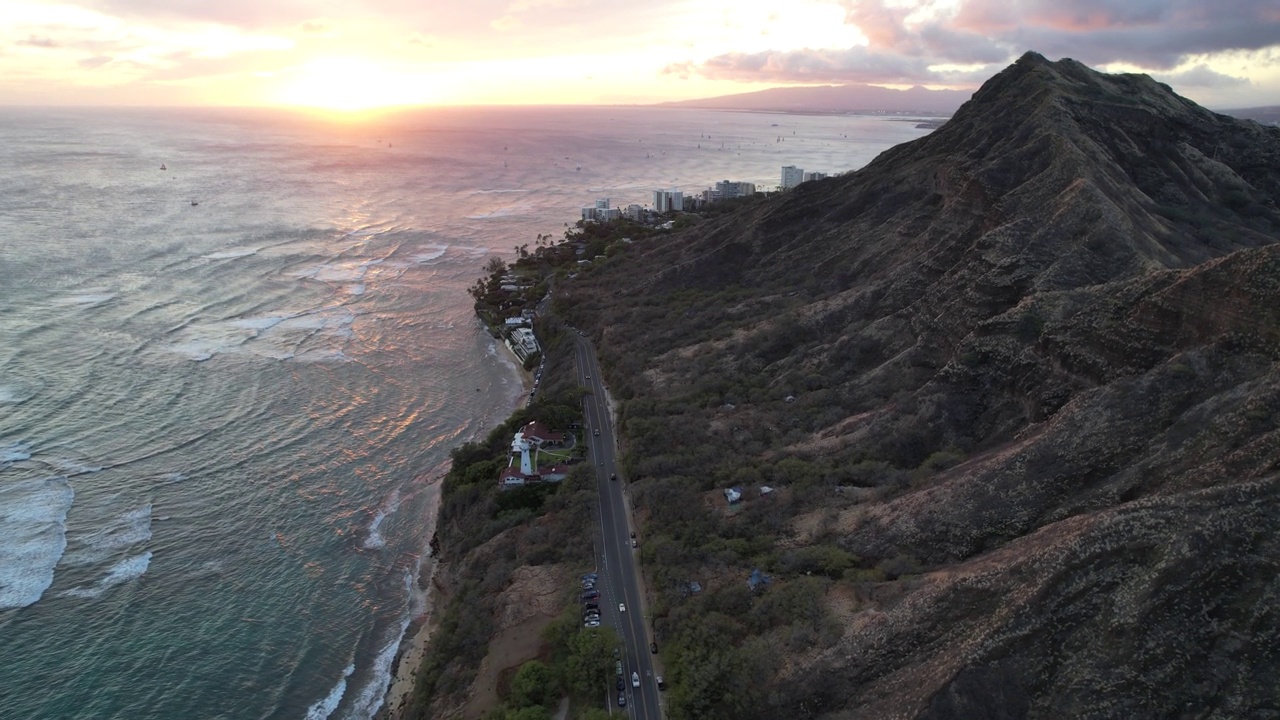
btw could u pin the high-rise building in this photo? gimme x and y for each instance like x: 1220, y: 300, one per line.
x: 814, y: 176
x: 791, y: 176
x: 728, y: 190
x: 665, y: 201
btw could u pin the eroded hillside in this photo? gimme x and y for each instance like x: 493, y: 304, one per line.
x: 1015, y: 387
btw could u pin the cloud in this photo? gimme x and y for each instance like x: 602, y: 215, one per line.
x: 95, y: 62
x: 319, y: 27
x: 506, y: 23
x: 40, y: 42
x: 1201, y: 76
x: 913, y: 41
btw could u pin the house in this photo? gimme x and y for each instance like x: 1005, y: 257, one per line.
x: 511, y: 477
x: 540, y: 435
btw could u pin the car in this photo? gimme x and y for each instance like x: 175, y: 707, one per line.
x: 635, y: 679
x: 653, y: 648
x: 633, y: 544
x: 661, y: 685
x: 621, y: 685
x: 591, y: 614
x: 591, y: 576
x: 591, y: 606
x: 591, y: 595
x: 613, y: 476
x: 588, y: 377
x: 622, y: 699
x: 617, y: 652
x: 618, y: 667
x: 597, y: 431
x: 633, y: 533
x: 591, y: 624
x: 622, y: 607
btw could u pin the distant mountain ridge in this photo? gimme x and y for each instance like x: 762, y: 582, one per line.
x: 837, y: 99
x: 1013, y: 386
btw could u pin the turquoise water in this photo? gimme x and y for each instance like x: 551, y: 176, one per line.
x: 227, y: 388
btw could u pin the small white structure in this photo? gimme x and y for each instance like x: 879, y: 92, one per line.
x: 733, y: 495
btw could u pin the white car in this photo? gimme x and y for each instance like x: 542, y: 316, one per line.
x: 635, y: 679
x: 622, y: 607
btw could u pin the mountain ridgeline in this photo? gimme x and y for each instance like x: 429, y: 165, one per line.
x: 1015, y: 388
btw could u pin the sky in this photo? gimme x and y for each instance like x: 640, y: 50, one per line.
x: 352, y: 56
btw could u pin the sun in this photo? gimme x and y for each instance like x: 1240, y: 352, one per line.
x: 349, y: 85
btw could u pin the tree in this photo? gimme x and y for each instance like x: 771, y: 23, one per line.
x: 495, y: 266
x: 533, y: 685
x: 589, y: 666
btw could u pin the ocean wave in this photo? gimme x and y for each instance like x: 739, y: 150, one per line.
x: 231, y: 254
x: 130, y: 568
x: 16, y: 452
x: 122, y: 531
x: 322, y: 709
x: 15, y: 394
x: 433, y: 252
x: 370, y: 698
x: 71, y: 467
x: 375, y: 539
x: 83, y: 299
x: 33, y: 536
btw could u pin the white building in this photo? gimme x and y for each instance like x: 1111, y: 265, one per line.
x: 665, y: 201
x: 814, y: 176
x: 791, y: 176
x: 522, y: 343
x: 634, y: 212
x: 728, y: 190
x: 600, y: 212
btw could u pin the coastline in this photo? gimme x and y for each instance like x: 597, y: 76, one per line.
x: 413, y: 644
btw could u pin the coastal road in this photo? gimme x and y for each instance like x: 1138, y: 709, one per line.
x: 617, y: 560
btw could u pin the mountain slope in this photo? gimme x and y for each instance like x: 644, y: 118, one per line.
x: 1015, y: 384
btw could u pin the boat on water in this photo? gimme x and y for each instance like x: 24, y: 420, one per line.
x: 162, y: 167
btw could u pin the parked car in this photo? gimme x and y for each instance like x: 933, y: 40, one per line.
x: 622, y: 685
x: 613, y: 476
x: 595, y: 623
x: 622, y: 607
x: 653, y: 648
x: 591, y: 606
x: 633, y: 533
x: 635, y: 679
x: 591, y: 576
x: 591, y: 595
x: 634, y: 544
x: 618, y: 667
x: 661, y: 685
x: 597, y: 431
x: 622, y: 699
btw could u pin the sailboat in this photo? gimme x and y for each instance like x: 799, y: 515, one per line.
x: 162, y: 167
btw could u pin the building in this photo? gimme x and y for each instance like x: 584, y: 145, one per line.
x: 665, y: 201
x: 522, y: 343
x: 727, y: 190
x: 634, y: 212
x: 814, y: 176
x: 541, y: 436
x: 791, y: 176
x: 600, y: 212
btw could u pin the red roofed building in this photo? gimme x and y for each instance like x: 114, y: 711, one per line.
x: 540, y: 435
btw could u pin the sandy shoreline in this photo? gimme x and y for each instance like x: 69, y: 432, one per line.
x: 413, y: 646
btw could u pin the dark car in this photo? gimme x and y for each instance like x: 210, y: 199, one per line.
x: 591, y: 595
x: 622, y: 685
x: 622, y: 699
x: 633, y: 533
x: 653, y: 648
x: 661, y: 685
x: 613, y: 476
x: 591, y: 606
x: 597, y: 431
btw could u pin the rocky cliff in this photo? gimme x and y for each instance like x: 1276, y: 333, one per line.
x: 1016, y: 386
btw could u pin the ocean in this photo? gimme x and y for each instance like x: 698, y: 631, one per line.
x: 228, y: 387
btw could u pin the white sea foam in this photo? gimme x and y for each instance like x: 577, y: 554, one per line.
x: 434, y: 252
x: 123, y: 531
x: 372, y: 695
x: 389, y: 506
x: 322, y: 709
x: 85, y: 298
x: 71, y: 467
x: 130, y: 568
x: 13, y: 394
x: 33, y: 535
x: 258, y: 323
x: 231, y: 254
x: 16, y: 452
